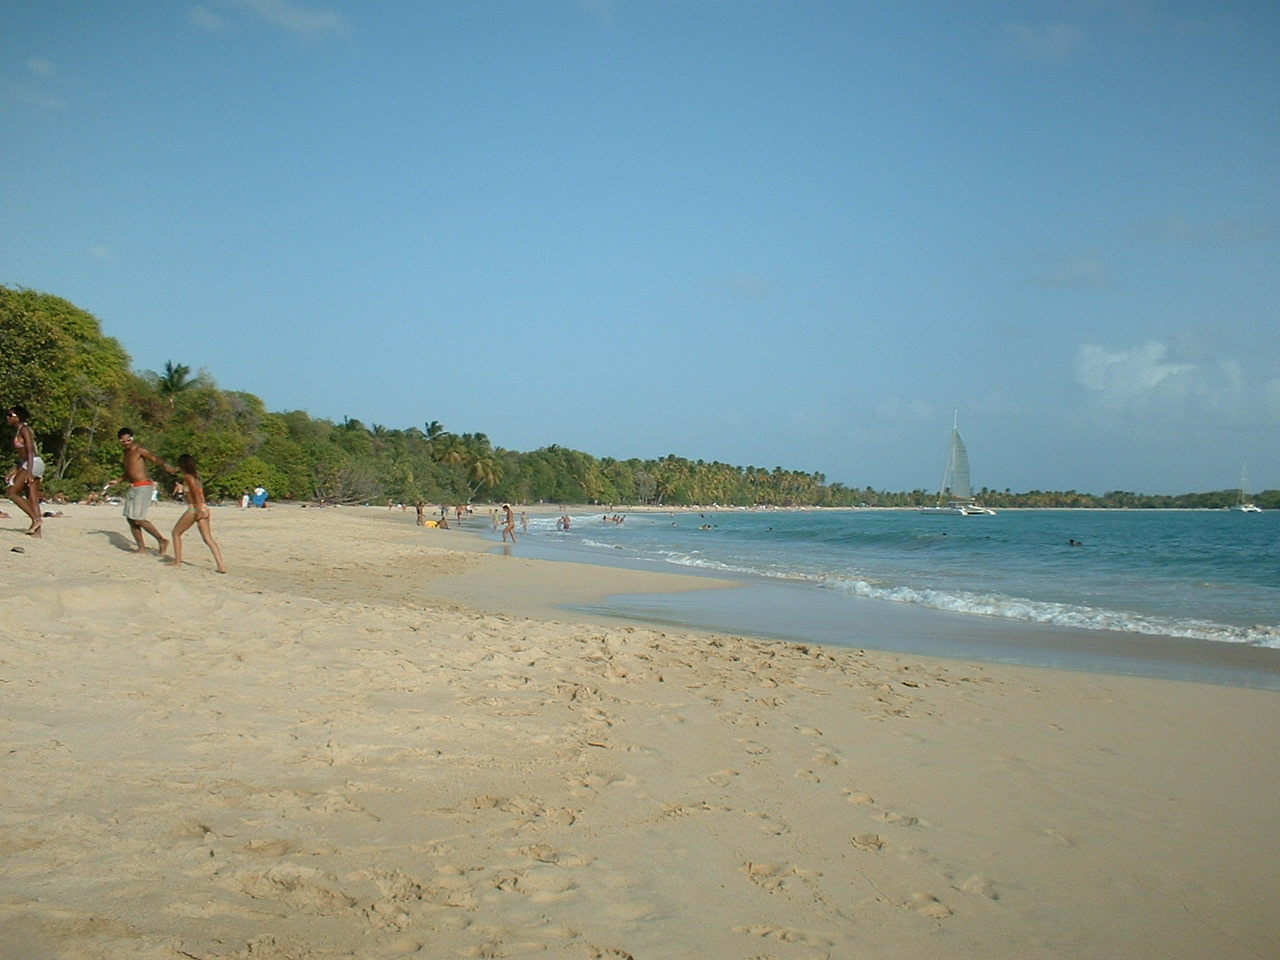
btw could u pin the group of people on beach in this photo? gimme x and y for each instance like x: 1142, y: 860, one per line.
x: 24, y: 488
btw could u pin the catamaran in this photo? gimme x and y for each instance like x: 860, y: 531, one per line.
x: 955, y: 497
x: 1245, y: 505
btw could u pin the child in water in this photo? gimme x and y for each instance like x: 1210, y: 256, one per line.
x: 197, y: 513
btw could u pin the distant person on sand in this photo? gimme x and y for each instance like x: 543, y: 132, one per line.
x: 508, y: 523
x: 24, y: 481
x: 141, y: 490
x: 197, y: 513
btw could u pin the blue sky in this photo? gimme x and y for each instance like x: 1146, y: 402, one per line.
x: 770, y: 233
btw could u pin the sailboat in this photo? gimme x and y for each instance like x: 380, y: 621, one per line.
x: 1245, y: 506
x: 955, y: 497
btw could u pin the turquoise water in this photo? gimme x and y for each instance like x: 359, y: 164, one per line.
x: 1194, y: 575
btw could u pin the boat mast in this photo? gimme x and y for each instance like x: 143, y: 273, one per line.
x: 948, y: 469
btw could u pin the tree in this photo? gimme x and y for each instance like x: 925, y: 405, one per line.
x: 449, y: 448
x: 55, y: 360
x: 175, y: 379
x: 485, y: 471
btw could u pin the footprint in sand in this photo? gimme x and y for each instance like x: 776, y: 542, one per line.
x: 267, y: 848
x: 608, y: 953
x: 980, y: 886
x: 784, y: 934
x: 545, y: 853
x: 540, y: 885
x: 927, y: 905
x: 592, y: 783
x: 778, y: 877
x: 870, y: 842
x: 722, y: 778
x: 1060, y: 837
x: 768, y: 824
x: 303, y: 888
x: 901, y: 819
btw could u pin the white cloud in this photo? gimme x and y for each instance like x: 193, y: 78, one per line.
x: 1271, y: 398
x: 28, y: 96
x: 1127, y: 375
x: 305, y: 22
x: 35, y: 90
x: 747, y: 285
x: 206, y: 19
x: 1078, y: 272
x: 1147, y: 380
x: 603, y: 10
x: 1054, y: 42
x: 1178, y: 229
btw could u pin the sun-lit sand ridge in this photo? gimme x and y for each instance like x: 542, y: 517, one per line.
x: 370, y: 740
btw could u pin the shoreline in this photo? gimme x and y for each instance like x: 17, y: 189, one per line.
x: 797, y: 611
x: 372, y: 740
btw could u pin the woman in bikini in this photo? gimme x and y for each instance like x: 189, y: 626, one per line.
x: 24, y: 482
x: 196, y: 514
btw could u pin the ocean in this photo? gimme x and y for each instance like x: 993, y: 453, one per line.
x: 1186, y: 593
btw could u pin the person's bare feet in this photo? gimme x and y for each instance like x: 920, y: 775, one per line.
x: 164, y: 545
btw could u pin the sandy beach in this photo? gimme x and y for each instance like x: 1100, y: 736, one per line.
x: 370, y: 740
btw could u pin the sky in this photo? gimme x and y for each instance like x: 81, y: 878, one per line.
x: 803, y: 233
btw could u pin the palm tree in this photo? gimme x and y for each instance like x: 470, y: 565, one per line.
x: 175, y: 379
x: 485, y: 471
x: 449, y: 449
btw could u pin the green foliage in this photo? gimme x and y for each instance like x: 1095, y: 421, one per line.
x: 55, y: 361
x: 80, y: 388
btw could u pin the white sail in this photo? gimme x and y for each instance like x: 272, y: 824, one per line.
x: 958, y: 484
x: 1245, y: 505
x: 955, y: 497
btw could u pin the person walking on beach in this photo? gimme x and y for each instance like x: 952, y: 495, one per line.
x: 24, y: 482
x: 197, y: 513
x: 508, y: 523
x: 141, y: 490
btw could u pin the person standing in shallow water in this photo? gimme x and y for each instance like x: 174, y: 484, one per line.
x: 24, y: 482
x: 196, y: 514
x: 508, y: 523
x: 141, y: 489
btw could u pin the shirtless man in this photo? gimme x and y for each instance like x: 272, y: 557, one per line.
x: 141, y: 489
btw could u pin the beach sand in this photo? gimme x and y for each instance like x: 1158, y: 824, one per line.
x: 370, y: 740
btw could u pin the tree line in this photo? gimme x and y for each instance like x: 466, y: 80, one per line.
x: 81, y: 387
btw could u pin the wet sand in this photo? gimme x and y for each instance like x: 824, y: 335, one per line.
x: 372, y: 740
